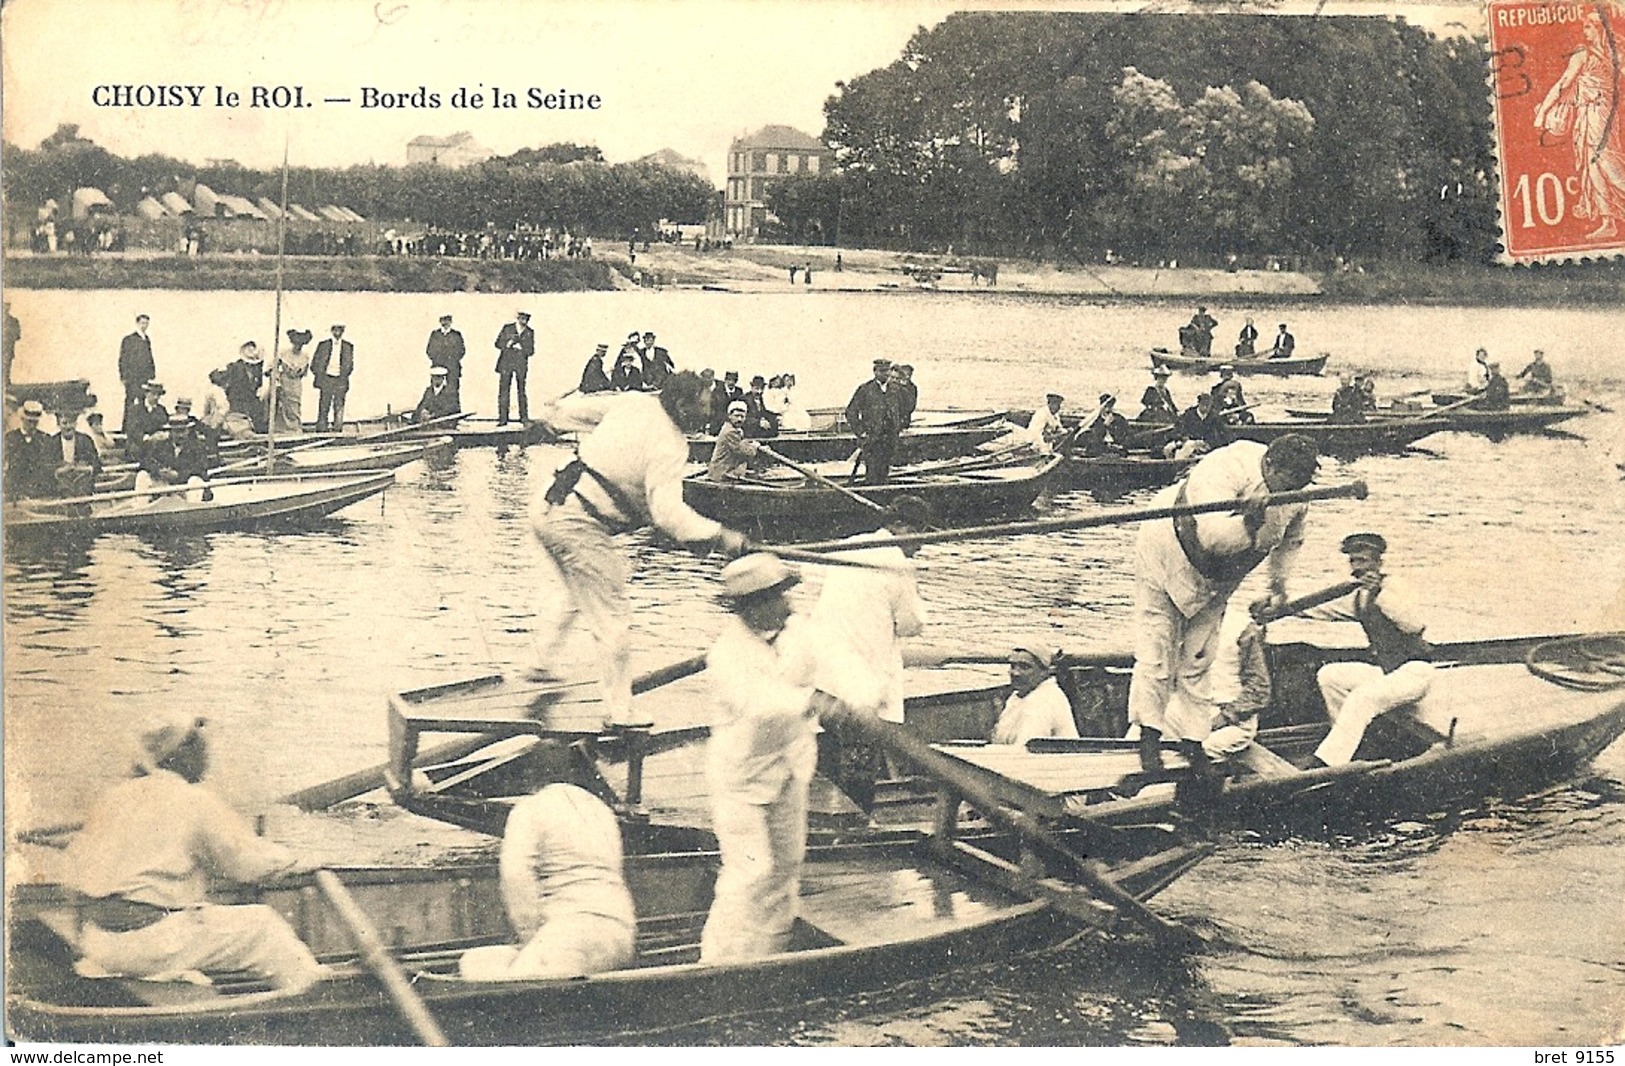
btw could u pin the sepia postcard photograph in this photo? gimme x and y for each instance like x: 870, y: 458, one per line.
x: 1036, y: 525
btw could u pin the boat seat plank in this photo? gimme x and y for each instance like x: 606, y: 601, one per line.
x: 1040, y: 781
x: 1264, y: 762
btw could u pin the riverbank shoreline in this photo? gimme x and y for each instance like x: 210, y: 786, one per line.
x: 766, y: 269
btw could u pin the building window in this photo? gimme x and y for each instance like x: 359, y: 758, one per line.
x: 812, y: 164
x: 758, y: 188
x: 758, y: 161
x: 796, y: 163
x: 775, y: 163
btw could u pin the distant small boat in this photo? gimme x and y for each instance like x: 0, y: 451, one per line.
x: 1523, y: 418
x: 232, y: 504
x: 1297, y: 364
x: 1347, y: 438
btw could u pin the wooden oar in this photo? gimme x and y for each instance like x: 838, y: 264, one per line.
x: 351, y: 442
x: 1354, y: 489
x: 820, y: 558
x: 907, y: 746
x: 1303, y: 603
x: 378, y: 959
x: 820, y: 478
x: 321, y: 796
x: 1423, y: 416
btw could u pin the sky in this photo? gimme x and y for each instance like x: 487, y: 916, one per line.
x: 690, y: 75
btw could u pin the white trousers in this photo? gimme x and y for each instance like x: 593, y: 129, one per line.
x: 592, y: 592
x: 758, y: 888
x: 1168, y: 690
x: 1356, y: 693
x: 570, y: 946
x: 254, y: 938
x: 1229, y: 738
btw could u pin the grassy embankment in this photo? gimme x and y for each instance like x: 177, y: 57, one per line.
x: 321, y: 273
x: 1598, y: 284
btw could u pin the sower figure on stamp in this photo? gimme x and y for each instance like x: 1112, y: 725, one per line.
x: 627, y: 473
x: 1185, y: 571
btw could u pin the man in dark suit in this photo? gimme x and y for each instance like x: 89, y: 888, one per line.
x: 657, y: 364
x: 713, y: 401
x: 730, y: 390
x: 908, y: 393
x: 77, y: 461
x: 332, y: 366
x: 438, y: 400
x: 446, y: 349
x: 876, y: 418
x: 148, y: 416
x: 135, y: 366
x: 29, y: 464
x: 759, y: 421
x: 515, y: 345
x: 1284, y: 344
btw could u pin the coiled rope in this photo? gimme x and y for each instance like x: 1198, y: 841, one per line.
x: 1591, y: 662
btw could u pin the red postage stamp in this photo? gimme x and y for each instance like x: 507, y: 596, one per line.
x: 1557, y: 78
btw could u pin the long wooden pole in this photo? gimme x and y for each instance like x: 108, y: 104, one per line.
x: 276, y: 327
x: 1354, y: 489
x: 820, y: 478
x: 378, y: 959
x: 1312, y: 599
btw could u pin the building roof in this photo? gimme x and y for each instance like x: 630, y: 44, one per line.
x: 668, y: 157
x: 453, y: 141
x: 779, y: 137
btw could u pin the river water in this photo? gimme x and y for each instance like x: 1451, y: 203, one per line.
x: 1498, y: 926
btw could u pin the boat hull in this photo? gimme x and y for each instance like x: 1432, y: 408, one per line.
x: 1339, y: 438
x: 915, y: 445
x: 1304, y: 364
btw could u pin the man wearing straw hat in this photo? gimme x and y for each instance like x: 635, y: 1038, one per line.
x: 760, y: 759
x: 143, y: 863
x: 1185, y: 571
x: 29, y: 461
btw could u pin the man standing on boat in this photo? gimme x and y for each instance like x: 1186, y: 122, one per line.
x: 515, y: 344
x: 143, y: 863
x: 1284, y: 344
x: 135, y: 366
x: 761, y: 758
x: 627, y: 473
x: 1187, y: 568
x: 331, y: 368
x: 876, y: 419
x: 446, y: 349
x: 564, y: 891
x: 1201, y: 332
x: 1391, y: 615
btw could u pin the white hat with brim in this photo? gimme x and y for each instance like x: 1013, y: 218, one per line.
x: 756, y: 574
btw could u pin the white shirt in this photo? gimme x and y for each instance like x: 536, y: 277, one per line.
x: 630, y: 440
x: 1042, y: 429
x: 1397, y: 600
x: 1234, y: 472
x: 215, y: 406
x: 561, y: 856
x: 1043, y: 712
x: 1478, y: 376
x: 862, y: 617
x: 157, y: 838
x: 762, y: 733
x: 794, y: 417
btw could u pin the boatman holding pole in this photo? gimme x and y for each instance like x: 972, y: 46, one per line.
x: 627, y: 473
x: 1186, y: 569
x: 876, y: 417
x: 1356, y: 693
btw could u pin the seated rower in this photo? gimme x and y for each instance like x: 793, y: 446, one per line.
x: 438, y: 399
x: 1348, y: 402
x: 1204, y: 430
x: 78, y: 463
x: 1537, y: 376
x: 143, y: 861
x: 176, y: 455
x: 1497, y: 394
x: 1285, y: 344
x: 1036, y: 706
x: 1228, y: 397
x: 1356, y: 693
x: 731, y: 456
x: 1044, y: 431
x: 593, y: 377
x: 1108, y: 434
x: 564, y: 891
x: 626, y: 377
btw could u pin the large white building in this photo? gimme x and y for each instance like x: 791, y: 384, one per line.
x: 757, y: 160
x: 457, y: 150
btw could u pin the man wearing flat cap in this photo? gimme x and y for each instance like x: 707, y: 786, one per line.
x: 760, y: 759
x: 1044, y: 430
x: 331, y: 368
x: 1186, y: 569
x: 733, y: 452
x: 446, y: 349
x: 875, y: 415
x: 1036, y: 706
x: 144, y: 860
x: 515, y: 344
x: 1157, y: 403
x: 1392, y: 617
x: 30, y: 464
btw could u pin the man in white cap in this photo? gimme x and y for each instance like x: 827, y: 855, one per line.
x: 627, y: 473
x: 875, y: 416
x: 515, y: 344
x: 1185, y: 571
x: 29, y: 463
x: 1044, y: 429
x: 1036, y: 706
x: 144, y: 860
x: 563, y: 888
x: 733, y: 452
x: 1392, y: 617
x: 760, y: 759
x: 446, y: 349
x: 438, y: 399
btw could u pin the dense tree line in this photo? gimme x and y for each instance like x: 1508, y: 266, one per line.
x: 560, y: 185
x: 1161, y: 135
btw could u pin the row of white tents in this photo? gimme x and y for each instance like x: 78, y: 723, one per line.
x: 208, y: 204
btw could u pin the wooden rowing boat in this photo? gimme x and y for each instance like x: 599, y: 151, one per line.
x: 833, y: 419
x: 916, y: 444
x: 873, y: 915
x: 1345, y: 438
x: 1492, y: 726
x: 323, y: 459
x: 1130, y: 470
x: 1523, y: 418
x: 236, y: 503
x: 1297, y: 364
x: 779, y: 507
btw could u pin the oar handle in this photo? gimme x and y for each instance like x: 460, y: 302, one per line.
x: 378, y: 959
x: 1353, y: 490
x: 1303, y: 603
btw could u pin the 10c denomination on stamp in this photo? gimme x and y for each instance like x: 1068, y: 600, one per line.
x: 1557, y: 81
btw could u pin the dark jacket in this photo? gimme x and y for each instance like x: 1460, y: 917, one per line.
x: 30, y: 465
x: 593, y: 378
x: 657, y: 367
x: 874, y: 412
x: 1157, y: 405
x: 242, y: 387
x: 141, y: 421
x: 446, y: 348
x: 135, y: 365
x: 626, y: 378
x: 321, y: 366
x: 908, y: 398
x: 759, y: 421
x: 515, y: 346
x: 436, y: 404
